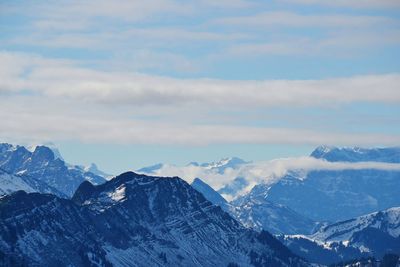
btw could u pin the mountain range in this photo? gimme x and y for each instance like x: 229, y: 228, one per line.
x: 131, y: 220
x: 56, y: 214
x: 334, y: 195
x: 43, y: 171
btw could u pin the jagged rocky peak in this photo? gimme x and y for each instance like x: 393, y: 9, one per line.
x: 6, y: 147
x: 44, y: 170
x: 93, y: 168
x: 357, y: 154
x: 142, y: 191
x: 86, y: 189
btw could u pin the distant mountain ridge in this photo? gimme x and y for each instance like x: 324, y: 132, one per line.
x: 43, y: 171
x: 131, y: 220
x: 335, y: 195
x: 357, y: 154
x: 256, y: 211
x: 302, y: 199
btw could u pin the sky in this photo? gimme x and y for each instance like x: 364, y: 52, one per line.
x: 127, y: 84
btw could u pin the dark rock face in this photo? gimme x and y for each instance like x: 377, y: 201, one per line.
x: 132, y: 220
x: 43, y: 171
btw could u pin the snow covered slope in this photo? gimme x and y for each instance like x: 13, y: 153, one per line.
x: 387, y: 221
x: 374, y: 234
x: 10, y: 183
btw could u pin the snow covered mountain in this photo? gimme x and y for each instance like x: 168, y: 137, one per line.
x: 338, y: 195
x: 13, y: 182
x: 131, y: 220
x: 374, y: 234
x: 222, y: 173
x: 43, y: 171
x: 223, y: 164
x: 255, y: 211
x: 333, y: 195
x: 218, y: 167
x: 92, y: 168
x: 387, y: 221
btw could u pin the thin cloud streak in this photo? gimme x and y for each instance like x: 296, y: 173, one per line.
x: 56, y: 126
x: 297, y: 20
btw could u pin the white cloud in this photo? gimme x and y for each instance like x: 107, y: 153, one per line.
x: 291, y: 19
x: 54, y: 121
x: 38, y: 75
x: 268, y: 172
x: 51, y: 100
x: 343, y: 44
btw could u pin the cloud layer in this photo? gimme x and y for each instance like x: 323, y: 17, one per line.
x: 57, y: 78
x: 267, y: 172
x: 199, y: 73
x: 47, y: 99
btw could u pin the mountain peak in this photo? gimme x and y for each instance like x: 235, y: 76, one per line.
x: 43, y: 152
x: 114, y: 190
x: 95, y: 170
x: 7, y: 147
x: 84, y: 190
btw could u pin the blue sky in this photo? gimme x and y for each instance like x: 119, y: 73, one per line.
x: 130, y: 83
